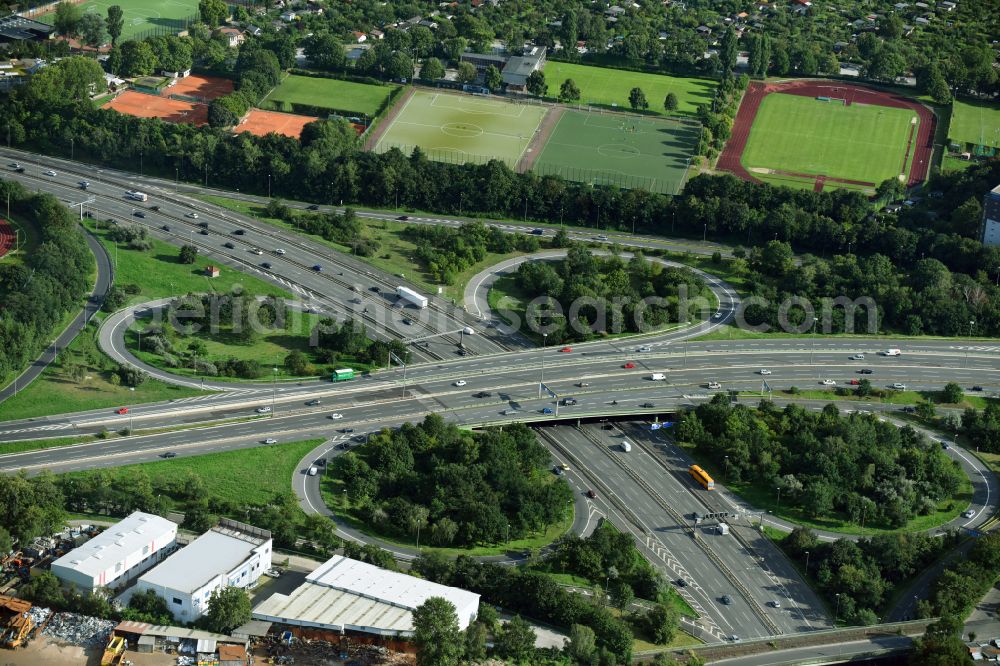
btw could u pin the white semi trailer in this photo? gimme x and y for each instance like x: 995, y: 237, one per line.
x: 412, y: 297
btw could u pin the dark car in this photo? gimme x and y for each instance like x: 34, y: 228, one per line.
x: 537, y: 232
x: 865, y: 371
x: 569, y: 401
x: 347, y: 431
x: 168, y: 454
x: 977, y: 388
x: 203, y: 225
x: 681, y: 582
x: 482, y: 394
x: 726, y: 599
x: 266, y: 264
x: 155, y: 208
x: 238, y: 232
x: 407, y: 321
x: 377, y: 290
x: 312, y: 207
x: 19, y: 169
x: 317, y: 268
x: 165, y: 227
x: 591, y: 494
x: 320, y: 462
x: 313, y: 403
x: 909, y: 409
x: 138, y: 213
x: 204, y: 232
x: 647, y: 405
x: 403, y: 218
x: 229, y: 245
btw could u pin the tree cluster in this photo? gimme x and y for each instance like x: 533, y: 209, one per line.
x: 959, y: 587
x: 349, y: 342
x: 855, y: 468
x: 461, y: 489
x: 344, y: 228
x: 865, y: 573
x: 611, y: 290
x: 447, y: 251
x: 981, y: 428
x: 35, y: 295
x: 534, y: 595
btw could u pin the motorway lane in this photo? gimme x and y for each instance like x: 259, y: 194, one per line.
x: 335, y: 287
x: 837, y: 653
x: 95, y: 300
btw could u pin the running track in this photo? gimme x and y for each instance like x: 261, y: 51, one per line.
x: 918, y: 149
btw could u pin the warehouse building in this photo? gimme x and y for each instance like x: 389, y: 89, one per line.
x: 231, y: 554
x: 345, y: 595
x: 118, y: 554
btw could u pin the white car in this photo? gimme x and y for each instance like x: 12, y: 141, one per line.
x: 858, y: 357
x: 263, y: 410
x: 257, y: 251
x: 193, y: 216
x: 763, y: 371
x: 50, y: 172
x: 969, y: 514
x: 898, y: 386
x: 270, y: 440
x: 273, y: 573
x: 828, y: 382
x: 460, y: 382
x: 336, y: 416
x: 714, y: 385
x: 645, y: 349
x: 280, y: 250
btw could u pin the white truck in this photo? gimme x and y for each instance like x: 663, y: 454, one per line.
x: 411, y: 296
x: 891, y: 352
x: 626, y: 446
x: 722, y: 528
x: 658, y: 377
x: 136, y: 195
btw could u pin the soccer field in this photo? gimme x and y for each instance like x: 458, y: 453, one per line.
x: 333, y: 94
x: 623, y: 151
x: 459, y: 129
x: 141, y: 16
x: 977, y: 123
x: 600, y: 85
x: 803, y: 135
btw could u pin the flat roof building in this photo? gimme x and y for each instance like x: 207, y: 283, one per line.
x: 991, y: 217
x: 16, y: 28
x: 118, y: 554
x: 231, y: 554
x: 348, y: 595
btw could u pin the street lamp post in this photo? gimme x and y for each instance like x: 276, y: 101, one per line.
x: 274, y: 388
x: 971, y: 324
x: 268, y: 186
x: 727, y: 469
x: 177, y: 175
x: 704, y: 232
x: 807, y: 563
x: 836, y: 613
x: 778, y: 508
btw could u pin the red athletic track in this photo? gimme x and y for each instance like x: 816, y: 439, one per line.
x: 6, y: 237
x: 921, y: 152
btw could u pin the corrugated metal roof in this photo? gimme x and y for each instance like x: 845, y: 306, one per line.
x: 311, y: 605
x: 116, y: 543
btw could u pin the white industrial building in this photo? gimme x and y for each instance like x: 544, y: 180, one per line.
x: 347, y: 595
x: 231, y: 554
x: 118, y: 554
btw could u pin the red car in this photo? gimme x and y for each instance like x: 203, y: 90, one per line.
x: 122, y: 410
x: 629, y: 365
x: 566, y: 350
x: 854, y: 382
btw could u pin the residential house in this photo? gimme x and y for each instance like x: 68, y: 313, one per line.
x: 288, y: 16
x: 233, y: 36
x: 359, y: 37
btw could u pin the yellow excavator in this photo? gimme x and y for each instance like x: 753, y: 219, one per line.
x: 14, y: 631
x: 114, y: 652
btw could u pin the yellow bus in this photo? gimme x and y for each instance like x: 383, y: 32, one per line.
x: 702, y: 477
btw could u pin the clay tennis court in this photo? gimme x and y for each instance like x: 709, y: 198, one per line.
x: 152, y: 106
x: 263, y: 123
x: 204, y: 87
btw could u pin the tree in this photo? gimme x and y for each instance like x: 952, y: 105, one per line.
x: 581, y: 644
x: 925, y: 410
x: 138, y: 58
x: 432, y: 70
x: 516, y: 640
x: 67, y: 20
x: 325, y: 51
x: 475, y: 642
x: 536, y: 84
x: 188, y: 254
x: 568, y: 91
x: 228, y: 608
x: 92, y: 30
x: 436, y: 633
x: 864, y: 388
x: 115, y: 23
x: 637, y: 99
x: 728, y: 50
x: 661, y: 622
x: 952, y: 393
x: 213, y: 12
x: 466, y: 72
x: 670, y: 102
x: 492, y: 78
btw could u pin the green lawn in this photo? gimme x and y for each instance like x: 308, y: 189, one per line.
x: 39, y: 444
x: 56, y: 392
x: 625, y: 151
x: 610, y: 87
x: 975, y: 122
x: 345, y: 96
x: 231, y: 476
x: 949, y: 164
x: 803, y: 135
x: 460, y: 129
x: 142, y: 16
x: 335, y: 498
x: 159, y: 272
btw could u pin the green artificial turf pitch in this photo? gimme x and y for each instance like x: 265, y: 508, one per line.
x: 977, y: 123
x: 141, y: 16
x: 804, y: 135
x: 601, y: 85
x: 619, y: 150
x: 332, y: 94
x: 460, y: 129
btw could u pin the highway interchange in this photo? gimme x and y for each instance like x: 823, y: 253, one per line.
x: 645, y: 491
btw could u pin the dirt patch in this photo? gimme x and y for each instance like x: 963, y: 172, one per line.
x: 44, y: 651
x: 154, y: 106
x: 542, y: 134
x: 263, y: 123
x: 387, y: 118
